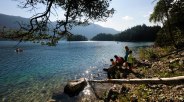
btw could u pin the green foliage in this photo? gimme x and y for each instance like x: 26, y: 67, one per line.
x: 147, y: 54
x: 160, y: 10
x: 140, y: 93
x: 171, y: 14
x: 168, y: 74
x: 137, y: 33
x: 77, y: 38
x: 124, y: 98
x: 76, y: 12
x: 103, y: 37
x: 152, y: 53
x: 162, y: 39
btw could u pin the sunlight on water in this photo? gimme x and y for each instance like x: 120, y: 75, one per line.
x: 87, y: 72
x: 87, y: 91
x: 34, y: 74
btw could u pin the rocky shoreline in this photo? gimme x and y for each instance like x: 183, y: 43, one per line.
x: 171, y: 65
x: 166, y: 65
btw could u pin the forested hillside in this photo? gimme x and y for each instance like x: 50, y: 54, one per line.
x: 137, y: 33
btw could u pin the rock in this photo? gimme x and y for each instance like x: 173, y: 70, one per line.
x: 51, y: 100
x: 124, y: 90
x: 112, y: 94
x: 178, y: 87
x: 74, y: 87
x: 134, y: 98
x: 43, y: 91
x: 174, y: 60
x: 182, y: 54
x: 105, y: 69
x: 181, y: 62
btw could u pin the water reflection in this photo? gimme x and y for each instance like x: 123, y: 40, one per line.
x: 87, y: 90
x: 87, y: 72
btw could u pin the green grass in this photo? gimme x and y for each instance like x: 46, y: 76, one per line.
x: 152, y: 53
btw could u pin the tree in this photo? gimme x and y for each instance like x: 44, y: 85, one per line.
x: 103, y: 37
x: 177, y: 22
x: 135, y: 34
x: 138, y: 33
x: 170, y: 13
x: 77, y: 38
x: 77, y: 12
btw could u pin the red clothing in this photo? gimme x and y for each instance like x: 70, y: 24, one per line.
x: 118, y: 60
x: 113, y: 63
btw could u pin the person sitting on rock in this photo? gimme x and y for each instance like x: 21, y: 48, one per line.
x: 119, y: 60
x: 113, y: 63
x: 111, y: 71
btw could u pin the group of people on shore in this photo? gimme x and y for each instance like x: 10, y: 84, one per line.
x: 120, y: 62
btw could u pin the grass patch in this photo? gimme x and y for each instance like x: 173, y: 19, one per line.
x: 152, y: 53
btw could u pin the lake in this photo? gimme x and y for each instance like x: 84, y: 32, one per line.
x: 34, y: 74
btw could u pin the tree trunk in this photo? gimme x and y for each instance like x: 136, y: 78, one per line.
x: 172, y: 80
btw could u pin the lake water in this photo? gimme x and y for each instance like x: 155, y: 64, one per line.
x: 34, y: 74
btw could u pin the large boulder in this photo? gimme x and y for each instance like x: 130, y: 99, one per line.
x: 74, y: 87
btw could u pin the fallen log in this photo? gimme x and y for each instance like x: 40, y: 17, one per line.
x: 172, y: 80
x: 172, y: 52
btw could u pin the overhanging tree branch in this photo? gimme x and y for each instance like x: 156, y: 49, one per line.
x: 77, y: 12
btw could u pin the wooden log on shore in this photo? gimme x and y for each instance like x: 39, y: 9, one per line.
x: 172, y: 80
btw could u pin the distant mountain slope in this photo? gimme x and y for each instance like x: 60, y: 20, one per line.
x: 88, y: 31
x: 11, y: 21
x: 92, y: 30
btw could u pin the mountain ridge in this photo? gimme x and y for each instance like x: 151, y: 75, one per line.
x: 10, y: 21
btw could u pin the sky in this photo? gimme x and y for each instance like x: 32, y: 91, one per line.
x: 128, y: 13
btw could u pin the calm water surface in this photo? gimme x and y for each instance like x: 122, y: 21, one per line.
x: 34, y: 74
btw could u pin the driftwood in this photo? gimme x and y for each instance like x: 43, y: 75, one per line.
x: 172, y: 52
x: 172, y: 80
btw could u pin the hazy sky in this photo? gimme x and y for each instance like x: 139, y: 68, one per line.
x: 128, y: 13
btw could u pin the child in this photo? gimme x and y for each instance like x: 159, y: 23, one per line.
x: 119, y: 60
x: 113, y: 63
x: 111, y: 70
x: 130, y: 60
